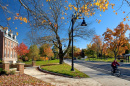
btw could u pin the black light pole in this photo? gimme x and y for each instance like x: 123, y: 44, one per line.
x: 82, y: 24
x: 72, y: 20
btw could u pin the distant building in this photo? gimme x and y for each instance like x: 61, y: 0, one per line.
x: 7, y: 43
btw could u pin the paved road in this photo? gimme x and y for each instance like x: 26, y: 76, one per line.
x: 106, y: 68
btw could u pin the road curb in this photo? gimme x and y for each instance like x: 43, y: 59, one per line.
x: 45, y: 71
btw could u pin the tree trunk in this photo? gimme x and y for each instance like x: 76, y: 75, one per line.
x: 61, y: 60
x: 115, y: 56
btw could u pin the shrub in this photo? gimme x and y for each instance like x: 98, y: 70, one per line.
x: 26, y: 58
x: 12, y: 72
x: 3, y: 72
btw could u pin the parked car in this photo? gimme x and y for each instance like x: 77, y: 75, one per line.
x: 74, y: 58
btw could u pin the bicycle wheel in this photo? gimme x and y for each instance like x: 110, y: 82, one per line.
x: 118, y: 73
x: 112, y: 72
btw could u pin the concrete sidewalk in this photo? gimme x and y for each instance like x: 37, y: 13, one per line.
x: 102, y: 78
x: 59, y: 80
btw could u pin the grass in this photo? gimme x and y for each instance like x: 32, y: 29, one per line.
x: 103, y: 60
x: 43, y: 62
x: 64, y: 69
x: 21, y: 80
x: 1, y: 69
x: 54, y: 66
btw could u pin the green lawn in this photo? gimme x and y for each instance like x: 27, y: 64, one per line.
x: 58, y: 68
x: 104, y: 60
x: 64, y: 69
x: 43, y: 62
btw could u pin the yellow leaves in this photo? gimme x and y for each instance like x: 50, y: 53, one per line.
x: 50, y: 7
x: 9, y: 18
x: 127, y: 16
x: 116, y: 13
x: 17, y: 33
x: 20, y: 22
x: 50, y: 23
x: 15, y: 27
x: 55, y: 25
x: 124, y: 19
x: 62, y: 18
x: 48, y: 0
x: 20, y: 18
x: 66, y: 8
x: 65, y: 13
x: 70, y: 5
x: 71, y: 8
x: 123, y: 11
x: 100, y: 15
x: 76, y: 9
x: 10, y: 31
x: 17, y: 14
x: 15, y: 18
x: 43, y: 21
x: 99, y: 21
x: 25, y: 20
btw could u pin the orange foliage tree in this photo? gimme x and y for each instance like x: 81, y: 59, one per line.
x: 21, y: 49
x: 116, y: 39
x: 46, y: 51
x: 97, y: 44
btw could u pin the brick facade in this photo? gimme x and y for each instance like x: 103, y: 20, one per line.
x: 7, y: 44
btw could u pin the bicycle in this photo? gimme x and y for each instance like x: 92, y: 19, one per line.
x: 117, y: 72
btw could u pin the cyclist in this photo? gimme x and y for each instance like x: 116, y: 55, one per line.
x: 114, y: 65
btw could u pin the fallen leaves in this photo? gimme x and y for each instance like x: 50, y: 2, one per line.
x: 21, y: 80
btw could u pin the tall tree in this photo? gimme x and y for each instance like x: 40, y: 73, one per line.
x: 116, y: 39
x: 33, y: 52
x: 21, y: 49
x: 97, y: 40
x: 45, y: 50
x: 51, y: 17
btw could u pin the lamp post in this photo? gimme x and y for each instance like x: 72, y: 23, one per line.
x: 82, y: 24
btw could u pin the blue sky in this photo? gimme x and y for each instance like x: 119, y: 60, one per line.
x: 108, y: 20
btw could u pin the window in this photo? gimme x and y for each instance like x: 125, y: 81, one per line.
x: 11, y: 54
x: 5, y: 42
x: 8, y: 53
x: 5, y: 52
x: 9, y: 43
x: 14, y: 54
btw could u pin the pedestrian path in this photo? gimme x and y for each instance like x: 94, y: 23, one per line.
x: 102, y: 78
x: 59, y: 80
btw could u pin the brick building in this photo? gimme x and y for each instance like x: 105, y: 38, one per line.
x: 7, y: 43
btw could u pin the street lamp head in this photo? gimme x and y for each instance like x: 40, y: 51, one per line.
x: 83, y: 23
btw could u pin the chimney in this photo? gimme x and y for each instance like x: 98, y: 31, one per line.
x: 11, y: 34
x: 6, y: 32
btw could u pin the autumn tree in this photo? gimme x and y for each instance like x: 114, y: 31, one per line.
x: 116, y: 39
x: 46, y: 51
x: 33, y: 52
x: 21, y: 49
x: 90, y: 50
x: 51, y: 17
x: 97, y: 41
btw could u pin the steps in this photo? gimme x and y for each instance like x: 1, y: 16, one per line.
x: 17, y: 72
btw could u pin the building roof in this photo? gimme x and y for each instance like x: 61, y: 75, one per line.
x: 8, y: 34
